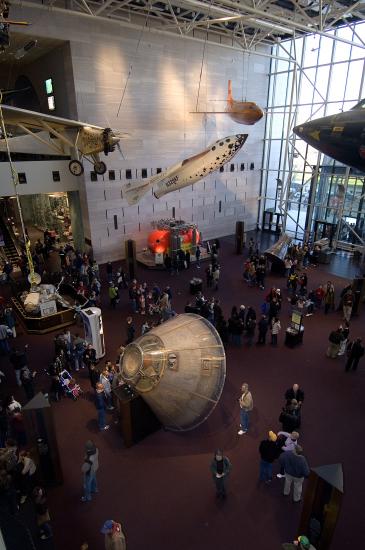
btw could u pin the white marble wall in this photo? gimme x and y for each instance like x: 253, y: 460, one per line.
x: 39, y: 178
x: 160, y: 80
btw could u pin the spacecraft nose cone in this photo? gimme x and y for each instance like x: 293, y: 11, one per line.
x: 241, y: 138
x: 298, y: 130
x: 303, y: 130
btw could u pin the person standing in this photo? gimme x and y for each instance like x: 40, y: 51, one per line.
x: 355, y: 351
x: 113, y: 295
x: 8, y: 270
x: 269, y: 452
x: 294, y: 393
x: 275, y: 329
x: 100, y: 406
x: 26, y: 378
x: 130, y: 330
x: 89, y: 469
x: 197, y: 256
x: 348, y: 302
x: 114, y: 536
x: 250, y: 329
x: 216, y: 274
x: 335, y: 339
x: 19, y: 360
x: 263, y: 326
x: 329, y: 297
x: 89, y: 356
x: 94, y: 376
x: 78, y: 352
x: 291, y: 440
x: 104, y: 379
x: 4, y: 339
x: 109, y: 272
x: 27, y: 471
x: 296, y: 469
x: 187, y: 259
x: 220, y: 468
x: 246, y: 406
x: 9, y: 319
x: 42, y: 513
x: 168, y: 263
x: 290, y: 417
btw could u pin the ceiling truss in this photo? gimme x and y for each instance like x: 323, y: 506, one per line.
x: 244, y: 22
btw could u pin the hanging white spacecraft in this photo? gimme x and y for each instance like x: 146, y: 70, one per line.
x: 188, y: 171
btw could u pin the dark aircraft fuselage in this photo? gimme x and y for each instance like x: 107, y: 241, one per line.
x: 341, y: 136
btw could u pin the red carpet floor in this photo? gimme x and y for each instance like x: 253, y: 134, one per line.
x: 161, y: 490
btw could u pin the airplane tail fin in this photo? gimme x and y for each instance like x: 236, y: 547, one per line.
x: 134, y: 192
x: 229, y: 96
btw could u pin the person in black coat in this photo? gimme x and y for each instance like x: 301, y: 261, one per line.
x: 263, y: 326
x: 269, y: 452
x: 89, y: 356
x: 181, y: 259
x: 168, y: 262
x: 187, y: 259
x: 221, y: 326
x: 217, y: 310
x: 131, y: 331
x: 273, y: 309
x: 294, y: 393
x: 355, y: 351
x: 289, y: 419
x: 250, y: 329
x: 242, y: 314
x: 251, y: 314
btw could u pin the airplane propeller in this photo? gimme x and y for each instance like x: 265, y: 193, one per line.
x: 108, y: 147
x: 120, y: 151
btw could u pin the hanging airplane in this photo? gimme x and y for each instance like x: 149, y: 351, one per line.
x: 83, y: 140
x: 242, y: 112
x: 341, y: 136
x: 188, y: 171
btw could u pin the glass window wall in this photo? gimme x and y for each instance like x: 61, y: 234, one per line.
x: 329, y: 78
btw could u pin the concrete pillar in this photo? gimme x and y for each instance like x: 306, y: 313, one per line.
x: 76, y: 219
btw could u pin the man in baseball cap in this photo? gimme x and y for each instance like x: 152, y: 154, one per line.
x: 114, y: 536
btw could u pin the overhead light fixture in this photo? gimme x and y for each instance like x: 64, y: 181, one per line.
x: 19, y: 54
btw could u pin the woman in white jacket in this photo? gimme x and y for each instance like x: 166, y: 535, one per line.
x: 275, y: 329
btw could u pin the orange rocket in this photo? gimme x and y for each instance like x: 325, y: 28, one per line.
x: 242, y: 112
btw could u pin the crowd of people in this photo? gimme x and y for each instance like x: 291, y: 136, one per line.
x: 149, y: 305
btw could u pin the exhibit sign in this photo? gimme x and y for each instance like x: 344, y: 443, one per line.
x: 48, y: 308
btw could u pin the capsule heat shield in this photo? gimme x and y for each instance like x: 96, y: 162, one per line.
x: 179, y: 368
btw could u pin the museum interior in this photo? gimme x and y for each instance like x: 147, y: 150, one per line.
x: 182, y: 274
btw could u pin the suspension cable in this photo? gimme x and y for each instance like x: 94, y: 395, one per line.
x: 15, y: 180
x: 131, y: 65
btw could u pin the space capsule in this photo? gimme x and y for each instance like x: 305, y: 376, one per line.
x: 179, y: 369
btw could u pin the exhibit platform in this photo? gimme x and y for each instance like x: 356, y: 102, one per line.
x: 43, y: 325
x: 147, y: 258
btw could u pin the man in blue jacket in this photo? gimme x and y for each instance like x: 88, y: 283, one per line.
x: 296, y: 469
x: 100, y: 404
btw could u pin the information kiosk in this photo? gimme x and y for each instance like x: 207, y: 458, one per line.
x: 295, y: 332
x: 93, y: 327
